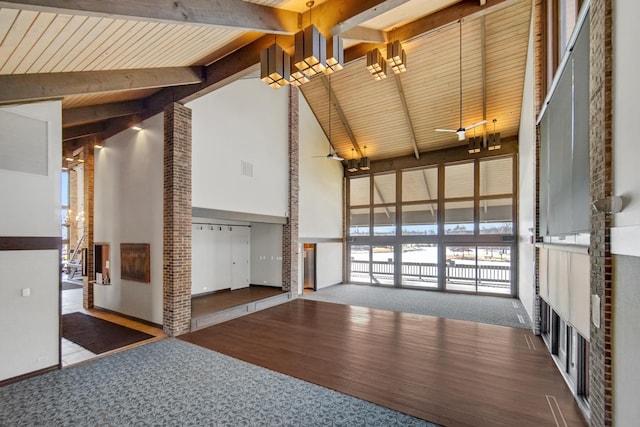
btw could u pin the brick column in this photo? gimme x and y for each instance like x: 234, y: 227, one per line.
x: 87, y: 291
x: 600, y: 141
x: 290, y: 250
x: 540, y: 90
x: 177, y: 220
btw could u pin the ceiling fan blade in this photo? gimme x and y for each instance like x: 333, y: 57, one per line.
x: 480, y: 123
x: 446, y: 130
x: 336, y: 157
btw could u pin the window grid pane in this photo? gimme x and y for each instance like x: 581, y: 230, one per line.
x: 359, y: 222
x: 420, y: 220
x: 384, y: 188
x: 359, y: 191
x: 459, y: 218
x: 420, y: 184
x: 458, y: 180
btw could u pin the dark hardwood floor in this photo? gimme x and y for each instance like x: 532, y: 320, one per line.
x: 449, y: 372
x: 221, y: 300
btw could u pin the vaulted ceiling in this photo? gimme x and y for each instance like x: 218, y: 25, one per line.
x: 115, y: 63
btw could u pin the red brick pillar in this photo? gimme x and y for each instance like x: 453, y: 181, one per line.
x: 290, y: 250
x: 88, y: 196
x: 600, y: 146
x: 177, y: 220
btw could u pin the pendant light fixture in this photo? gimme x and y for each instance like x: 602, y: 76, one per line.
x: 364, y: 161
x: 396, y: 57
x: 310, y: 55
x: 494, y: 139
x: 352, y: 164
x: 376, y: 65
x: 275, y: 66
x: 335, y: 55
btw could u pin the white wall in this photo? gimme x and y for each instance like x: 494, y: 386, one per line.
x: 626, y: 150
x: 526, y: 184
x: 328, y: 258
x: 220, y: 255
x: 626, y: 232
x: 266, y: 254
x: 320, y: 179
x: 129, y: 209
x: 626, y: 340
x: 29, y: 325
x: 244, y: 121
x: 321, y: 199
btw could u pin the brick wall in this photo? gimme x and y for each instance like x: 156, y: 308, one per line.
x: 290, y: 250
x: 177, y: 220
x: 538, y: 52
x: 600, y: 399
x: 88, y: 189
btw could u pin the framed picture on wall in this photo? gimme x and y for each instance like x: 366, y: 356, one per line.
x: 135, y: 262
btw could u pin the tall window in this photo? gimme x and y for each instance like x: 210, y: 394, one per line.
x: 446, y: 226
x: 419, y: 202
x: 496, y: 196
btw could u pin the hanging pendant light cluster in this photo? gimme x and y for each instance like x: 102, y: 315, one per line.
x: 396, y: 59
x: 312, y: 56
x: 354, y: 165
x: 493, y: 141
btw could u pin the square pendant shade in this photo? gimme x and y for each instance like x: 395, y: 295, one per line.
x: 396, y: 57
x: 275, y: 66
x: 310, y: 55
x: 335, y: 55
x: 364, y: 164
x: 474, y: 144
x: 494, y: 141
x: 376, y: 65
x: 352, y: 165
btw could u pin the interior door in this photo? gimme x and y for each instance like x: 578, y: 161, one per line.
x: 240, y: 257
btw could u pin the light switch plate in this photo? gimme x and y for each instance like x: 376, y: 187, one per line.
x: 26, y: 292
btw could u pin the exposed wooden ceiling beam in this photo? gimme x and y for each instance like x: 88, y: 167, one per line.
x: 407, y: 116
x: 33, y: 87
x: 332, y: 13
x: 429, y: 23
x: 365, y: 35
x: 343, y: 118
x: 81, y: 131
x: 235, y: 14
x: 333, y: 17
x: 96, y: 113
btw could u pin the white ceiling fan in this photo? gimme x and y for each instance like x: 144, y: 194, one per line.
x: 333, y: 154
x: 461, y: 131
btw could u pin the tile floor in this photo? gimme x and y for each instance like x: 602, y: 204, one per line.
x: 72, y: 353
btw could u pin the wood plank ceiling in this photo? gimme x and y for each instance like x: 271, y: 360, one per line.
x: 116, y: 63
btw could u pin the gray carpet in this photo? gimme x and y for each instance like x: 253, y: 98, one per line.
x: 476, y: 308
x: 172, y: 382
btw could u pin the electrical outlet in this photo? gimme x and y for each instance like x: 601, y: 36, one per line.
x: 43, y: 359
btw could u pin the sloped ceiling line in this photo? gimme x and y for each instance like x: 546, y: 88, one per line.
x: 407, y: 115
x: 343, y: 119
